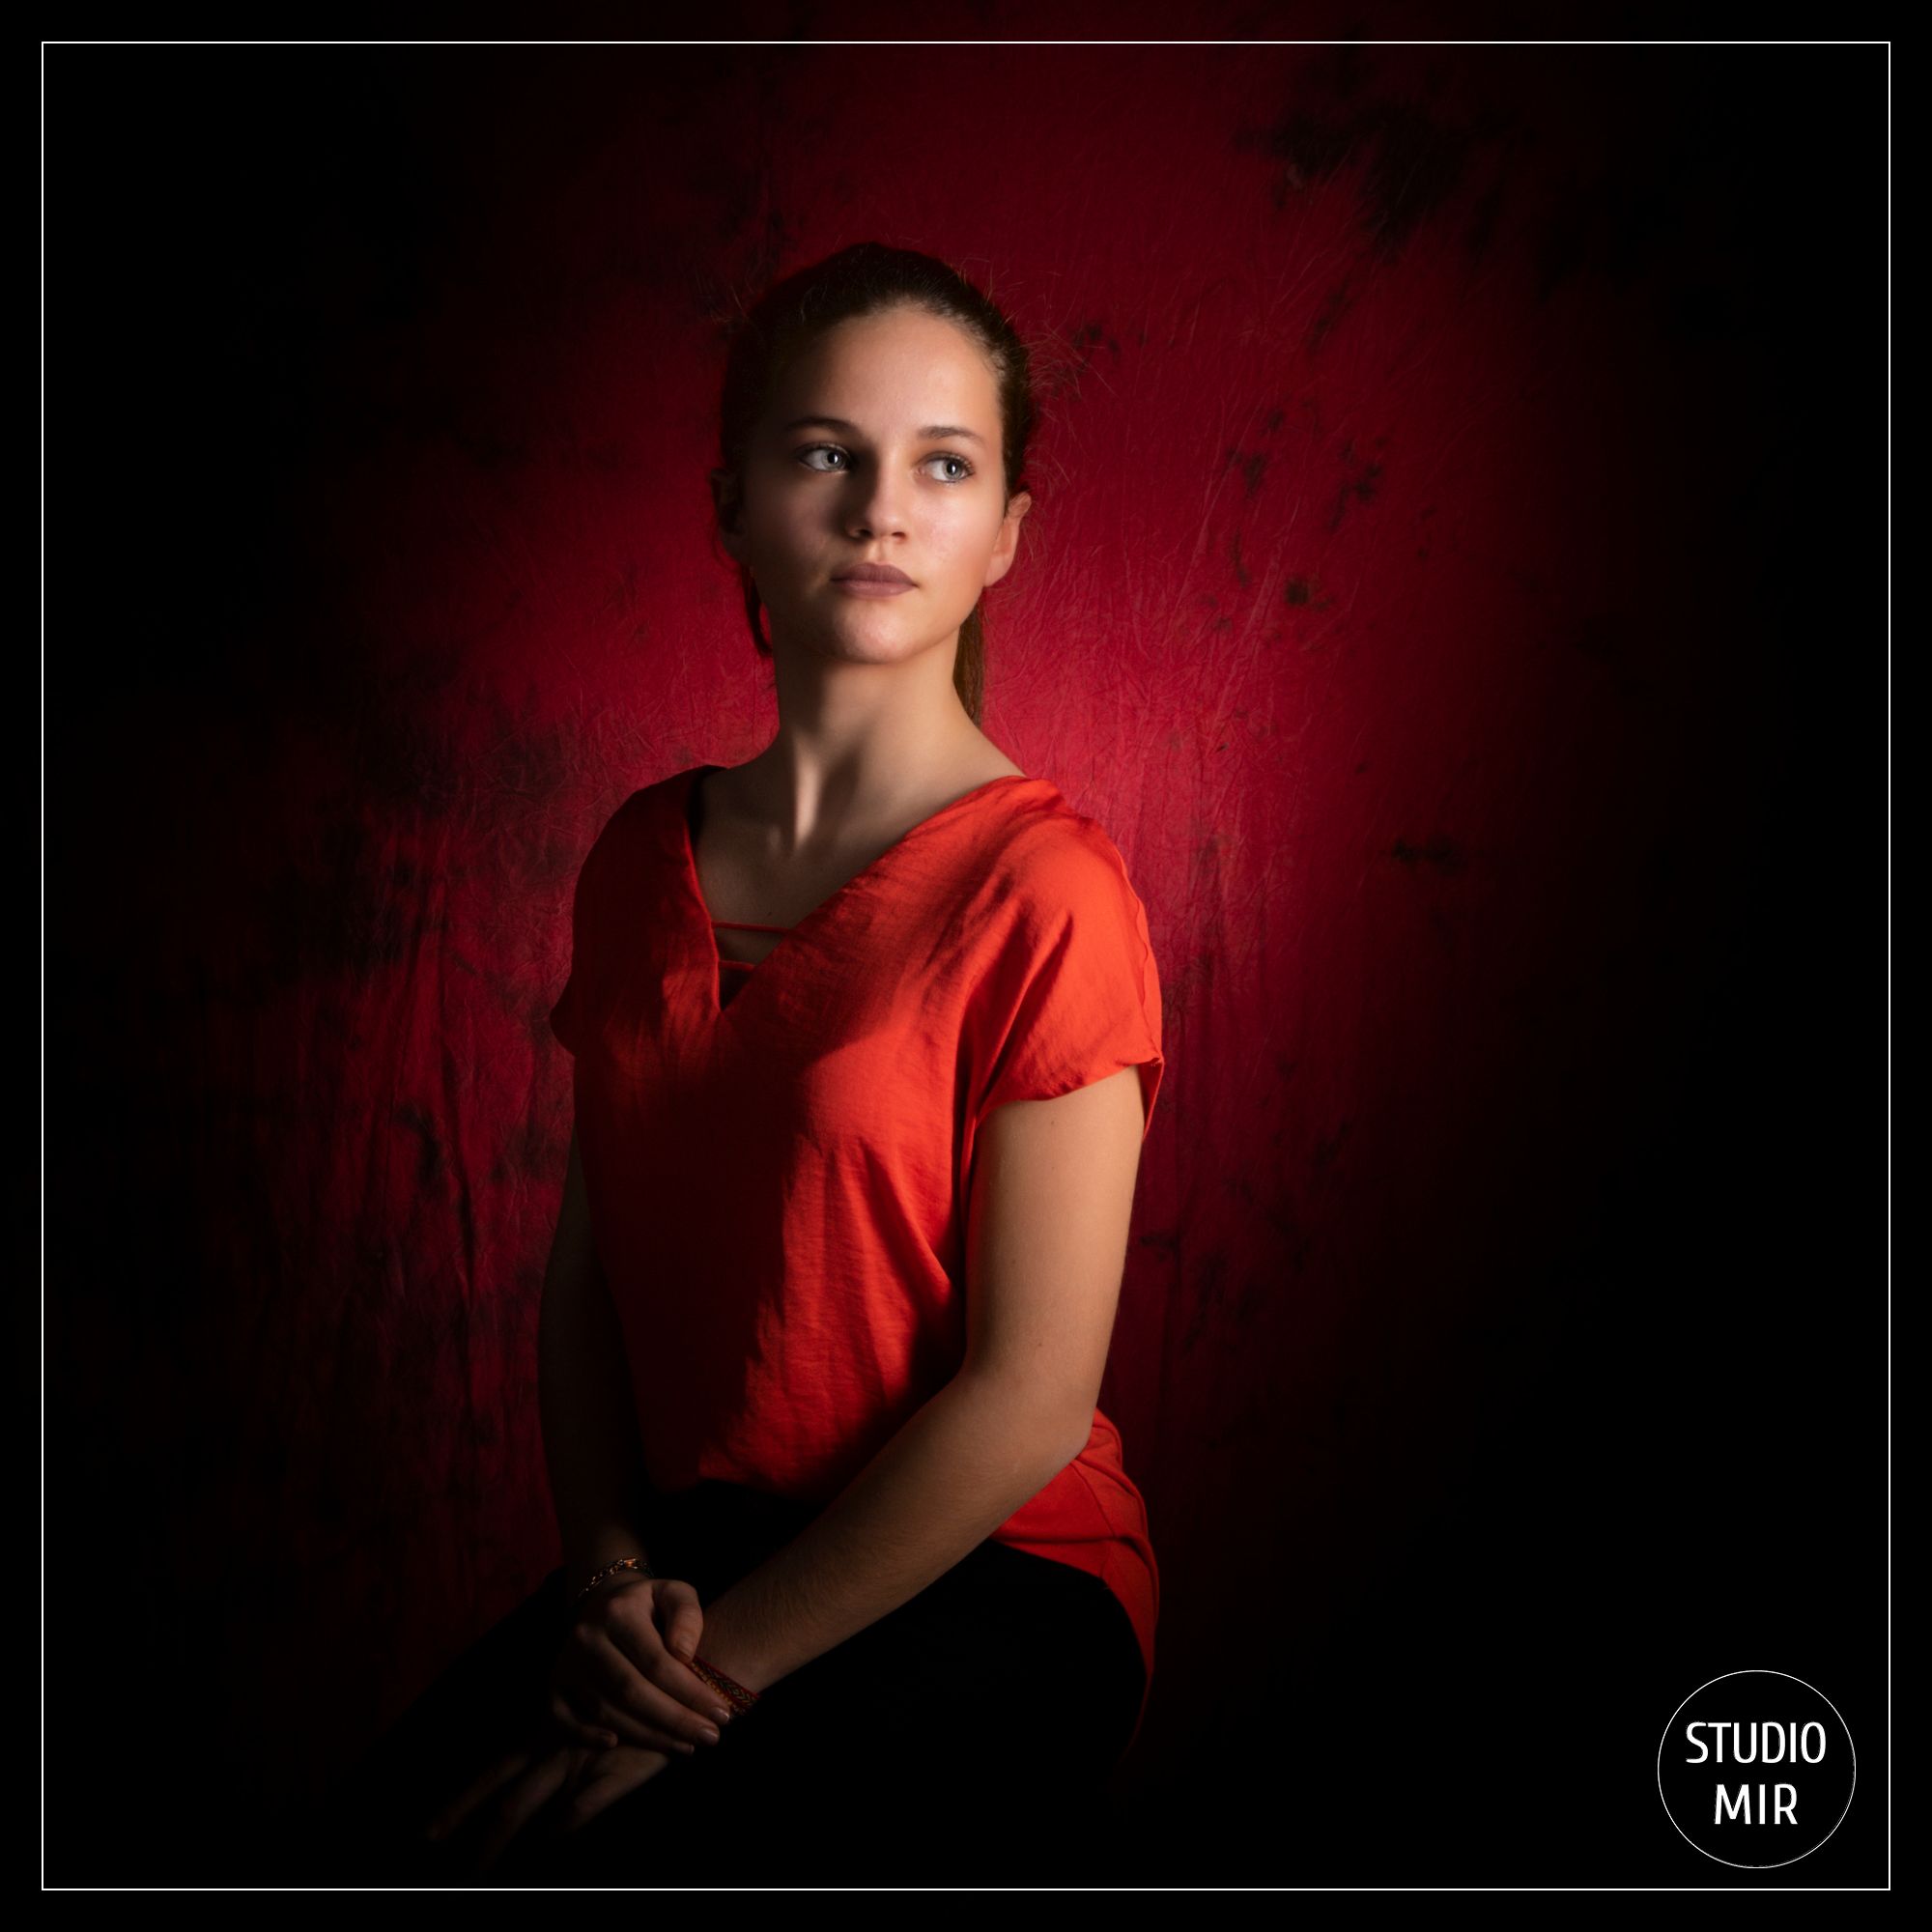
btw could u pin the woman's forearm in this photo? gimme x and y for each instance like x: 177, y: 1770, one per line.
x: 589, y: 1422
x: 945, y: 1482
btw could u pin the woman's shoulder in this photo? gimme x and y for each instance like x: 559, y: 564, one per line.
x: 634, y: 837
x: 1053, y: 854
x: 647, y: 805
x: 1067, y: 948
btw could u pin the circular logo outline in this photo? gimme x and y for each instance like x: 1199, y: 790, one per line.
x: 1731, y: 1863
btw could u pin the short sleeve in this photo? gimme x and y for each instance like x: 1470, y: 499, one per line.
x: 569, y: 1018
x: 563, y: 1016
x: 1083, y: 997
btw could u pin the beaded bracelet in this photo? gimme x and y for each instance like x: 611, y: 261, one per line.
x: 730, y: 1689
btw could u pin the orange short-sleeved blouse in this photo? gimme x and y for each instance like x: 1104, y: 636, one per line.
x: 778, y: 1175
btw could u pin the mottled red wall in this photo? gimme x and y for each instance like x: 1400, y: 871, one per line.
x: 1417, y: 590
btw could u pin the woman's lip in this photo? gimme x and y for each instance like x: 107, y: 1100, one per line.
x: 870, y: 587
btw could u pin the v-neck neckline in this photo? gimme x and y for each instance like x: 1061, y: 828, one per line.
x: 789, y: 940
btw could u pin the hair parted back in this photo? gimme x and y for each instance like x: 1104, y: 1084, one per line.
x: 867, y: 279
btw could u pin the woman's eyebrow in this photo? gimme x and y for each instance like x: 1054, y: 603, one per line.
x: 852, y: 428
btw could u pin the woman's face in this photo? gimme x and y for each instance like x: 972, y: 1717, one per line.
x: 881, y: 445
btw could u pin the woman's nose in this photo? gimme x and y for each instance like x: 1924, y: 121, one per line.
x: 876, y: 504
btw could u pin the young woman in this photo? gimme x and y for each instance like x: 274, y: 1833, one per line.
x: 865, y: 1038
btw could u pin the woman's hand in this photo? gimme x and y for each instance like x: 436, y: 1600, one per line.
x: 582, y: 1781
x: 618, y: 1679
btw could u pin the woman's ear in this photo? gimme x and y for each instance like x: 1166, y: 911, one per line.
x: 1008, y: 541
x: 728, y: 504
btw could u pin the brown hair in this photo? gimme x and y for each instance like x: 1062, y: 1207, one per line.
x: 865, y: 279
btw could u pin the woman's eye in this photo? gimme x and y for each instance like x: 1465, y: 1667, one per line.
x: 805, y: 456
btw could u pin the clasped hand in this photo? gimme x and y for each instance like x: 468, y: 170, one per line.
x: 619, y: 1706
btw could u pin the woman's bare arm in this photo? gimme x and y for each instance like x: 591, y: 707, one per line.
x: 1046, y: 1243
x: 589, y: 1418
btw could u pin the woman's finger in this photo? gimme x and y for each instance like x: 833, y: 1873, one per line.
x: 656, y: 1691
x: 590, y: 1730
x: 606, y: 1779
x: 602, y: 1725
x: 624, y: 1680
x: 681, y: 1616
x: 523, y: 1799
x: 658, y: 1641
x: 477, y: 1792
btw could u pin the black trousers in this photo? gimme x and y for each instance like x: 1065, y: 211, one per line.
x: 967, y: 1738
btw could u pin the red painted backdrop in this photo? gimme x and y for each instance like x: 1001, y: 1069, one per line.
x: 1413, y: 591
